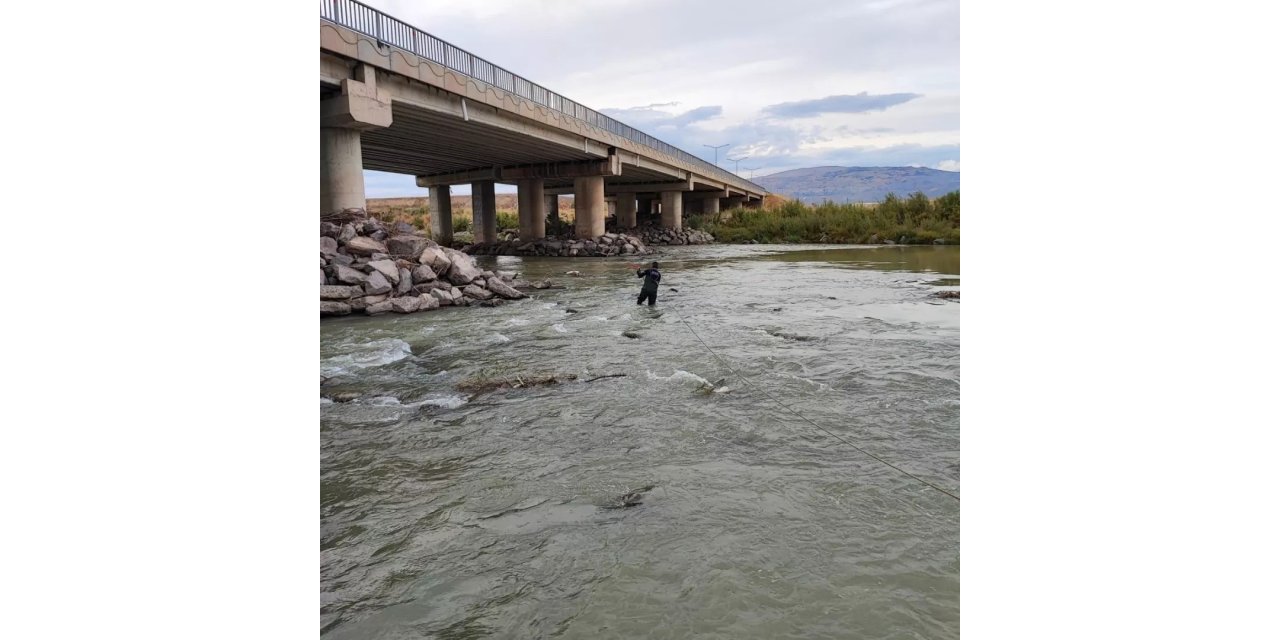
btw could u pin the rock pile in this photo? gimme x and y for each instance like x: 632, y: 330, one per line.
x: 366, y: 266
x: 660, y: 235
x: 609, y: 244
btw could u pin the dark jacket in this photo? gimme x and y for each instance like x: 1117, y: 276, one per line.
x: 651, y: 279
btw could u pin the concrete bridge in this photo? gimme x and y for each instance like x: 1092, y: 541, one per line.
x: 396, y: 99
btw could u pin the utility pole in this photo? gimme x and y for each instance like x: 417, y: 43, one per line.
x: 717, y: 148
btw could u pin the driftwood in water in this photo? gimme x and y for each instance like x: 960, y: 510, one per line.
x: 485, y: 385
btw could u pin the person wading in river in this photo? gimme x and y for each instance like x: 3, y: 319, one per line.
x: 650, y: 288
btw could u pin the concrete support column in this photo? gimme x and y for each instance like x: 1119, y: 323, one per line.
x: 361, y: 105
x: 484, y: 211
x: 734, y: 201
x: 753, y: 204
x: 589, y: 206
x: 341, y: 170
x: 711, y: 205
x: 531, y: 202
x: 552, y: 206
x: 672, y: 209
x: 441, y: 212
x: 644, y: 205
x: 626, y: 210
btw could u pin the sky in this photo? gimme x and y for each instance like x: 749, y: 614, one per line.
x: 785, y: 83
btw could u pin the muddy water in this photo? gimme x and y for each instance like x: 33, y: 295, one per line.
x: 453, y: 515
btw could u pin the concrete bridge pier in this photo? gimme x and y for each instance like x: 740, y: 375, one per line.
x: 626, y: 208
x: 754, y: 203
x: 734, y: 201
x: 484, y: 211
x: 711, y: 205
x: 531, y: 203
x: 589, y: 206
x: 552, y: 206
x: 672, y: 209
x: 360, y: 106
x: 341, y: 170
x: 441, y: 211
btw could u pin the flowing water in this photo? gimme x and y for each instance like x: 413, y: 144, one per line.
x: 445, y: 514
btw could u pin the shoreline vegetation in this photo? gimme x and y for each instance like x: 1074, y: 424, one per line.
x: 915, y: 219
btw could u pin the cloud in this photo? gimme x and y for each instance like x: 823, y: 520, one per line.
x: 948, y: 165
x: 858, y: 103
x: 651, y: 120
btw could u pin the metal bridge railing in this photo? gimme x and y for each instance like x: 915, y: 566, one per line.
x: 386, y: 29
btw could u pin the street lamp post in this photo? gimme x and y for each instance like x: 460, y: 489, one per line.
x: 735, y: 163
x: 717, y: 148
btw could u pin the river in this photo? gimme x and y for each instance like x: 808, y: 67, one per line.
x: 452, y: 515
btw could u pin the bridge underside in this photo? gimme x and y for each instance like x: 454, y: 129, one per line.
x: 383, y: 113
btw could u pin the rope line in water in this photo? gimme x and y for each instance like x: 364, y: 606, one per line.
x: 816, y: 425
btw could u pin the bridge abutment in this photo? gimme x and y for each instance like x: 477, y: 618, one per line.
x: 531, y: 203
x: 589, y: 206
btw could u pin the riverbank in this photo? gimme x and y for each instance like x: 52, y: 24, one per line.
x: 375, y: 268
x: 913, y: 220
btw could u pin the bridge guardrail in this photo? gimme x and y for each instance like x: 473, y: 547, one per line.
x: 386, y: 29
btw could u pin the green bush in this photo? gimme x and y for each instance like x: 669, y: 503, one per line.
x: 461, y: 224
x: 508, y: 220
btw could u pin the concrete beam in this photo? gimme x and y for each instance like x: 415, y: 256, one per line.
x: 531, y: 204
x: 362, y: 105
x: 609, y: 166
x: 462, y: 177
x: 634, y: 187
x: 484, y: 211
x: 441, y: 212
x: 589, y: 206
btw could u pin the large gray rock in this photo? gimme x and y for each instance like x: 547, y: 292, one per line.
x: 341, y: 258
x: 347, y: 275
x: 408, y: 247
x: 403, y: 228
x: 503, y: 289
x: 376, y: 284
x: 377, y: 308
x: 347, y: 234
x: 406, y: 282
x: 406, y: 304
x: 472, y: 291
x: 387, y: 268
x: 456, y: 293
x: 428, y: 287
x: 442, y: 296
x: 328, y: 246
x: 362, y: 246
x: 435, y: 258
x: 323, y: 278
x: 422, y: 273
x: 338, y: 292
x: 464, y: 270
x: 334, y: 308
x: 330, y: 229
x: 428, y: 302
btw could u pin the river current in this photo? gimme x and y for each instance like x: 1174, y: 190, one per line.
x: 447, y: 514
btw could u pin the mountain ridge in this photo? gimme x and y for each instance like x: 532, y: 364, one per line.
x: 858, y: 184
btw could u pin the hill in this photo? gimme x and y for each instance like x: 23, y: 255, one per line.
x: 859, y: 184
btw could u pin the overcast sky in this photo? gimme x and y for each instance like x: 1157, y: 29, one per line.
x: 787, y: 83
